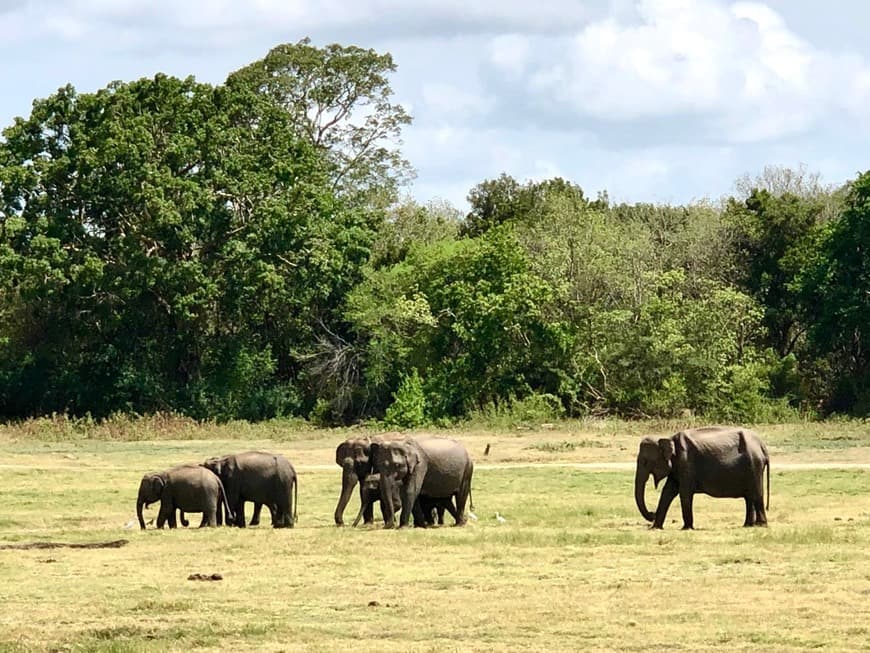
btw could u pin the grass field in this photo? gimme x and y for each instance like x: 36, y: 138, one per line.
x: 574, y: 567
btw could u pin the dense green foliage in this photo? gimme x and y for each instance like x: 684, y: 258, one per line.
x: 239, y: 251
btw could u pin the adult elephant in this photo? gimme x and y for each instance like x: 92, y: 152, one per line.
x: 260, y: 477
x: 438, y: 468
x: 187, y: 488
x: 354, y: 457
x: 716, y: 460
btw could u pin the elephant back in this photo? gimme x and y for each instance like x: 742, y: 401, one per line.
x: 449, y: 465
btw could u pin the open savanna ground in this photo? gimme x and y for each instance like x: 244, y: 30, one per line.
x: 573, y: 567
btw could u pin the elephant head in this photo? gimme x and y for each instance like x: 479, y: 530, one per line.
x: 150, y: 489
x: 654, y: 457
x: 398, y: 463
x: 354, y: 458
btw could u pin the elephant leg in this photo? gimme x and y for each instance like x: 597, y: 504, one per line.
x: 409, y: 498
x: 368, y: 513
x: 240, y: 514
x: 448, y: 506
x: 669, y: 493
x: 162, y: 516
x: 209, y: 518
x: 758, y: 503
x: 440, y: 512
x: 686, y: 500
x: 750, y: 512
x: 422, y: 514
x: 461, y: 499
x: 255, y: 518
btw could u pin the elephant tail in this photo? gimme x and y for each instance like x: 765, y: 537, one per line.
x: 295, y: 498
x: 767, y: 464
x: 231, y: 518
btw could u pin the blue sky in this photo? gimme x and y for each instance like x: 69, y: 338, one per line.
x: 650, y: 100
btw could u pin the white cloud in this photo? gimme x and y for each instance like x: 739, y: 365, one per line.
x: 509, y: 52
x: 448, y: 101
x: 738, y: 68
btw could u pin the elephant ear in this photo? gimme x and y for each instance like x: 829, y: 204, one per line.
x: 342, y: 452
x: 412, y: 459
x: 667, y: 448
x: 157, y: 483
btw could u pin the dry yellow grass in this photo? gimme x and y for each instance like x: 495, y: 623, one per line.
x: 573, y: 568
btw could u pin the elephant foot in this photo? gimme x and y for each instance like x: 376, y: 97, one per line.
x: 687, y: 528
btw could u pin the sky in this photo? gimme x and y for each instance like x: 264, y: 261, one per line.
x: 666, y: 101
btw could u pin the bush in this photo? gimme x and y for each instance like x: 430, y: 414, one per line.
x: 408, y: 409
x: 536, y: 408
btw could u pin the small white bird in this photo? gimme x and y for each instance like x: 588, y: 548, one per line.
x: 130, y: 524
x: 499, y: 518
x: 472, y: 516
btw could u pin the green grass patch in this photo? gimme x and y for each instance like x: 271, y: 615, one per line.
x: 571, y: 565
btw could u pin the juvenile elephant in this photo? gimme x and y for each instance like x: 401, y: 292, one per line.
x: 370, y: 494
x: 432, y: 510
x: 260, y: 477
x: 354, y: 457
x: 187, y: 488
x: 437, y: 468
x: 715, y: 460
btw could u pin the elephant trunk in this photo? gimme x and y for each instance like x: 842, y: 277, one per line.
x: 140, y: 503
x: 348, y: 483
x: 387, y: 507
x: 640, y: 479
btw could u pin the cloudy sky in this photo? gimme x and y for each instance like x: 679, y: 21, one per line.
x: 650, y: 100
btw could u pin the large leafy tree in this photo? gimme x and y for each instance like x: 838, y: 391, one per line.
x: 768, y: 234
x: 340, y: 100
x: 835, y: 288
x: 165, y: 244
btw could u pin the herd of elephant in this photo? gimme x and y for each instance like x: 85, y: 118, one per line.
x: 426, y: 476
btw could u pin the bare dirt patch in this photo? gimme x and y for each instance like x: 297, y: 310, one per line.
x: 114, y: 544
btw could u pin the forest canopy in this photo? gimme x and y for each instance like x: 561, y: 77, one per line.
x: 243, y: 250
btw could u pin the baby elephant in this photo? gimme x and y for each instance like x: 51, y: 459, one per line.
x: 427, y: 511
x: 370, y: 494
x: 188, y: 488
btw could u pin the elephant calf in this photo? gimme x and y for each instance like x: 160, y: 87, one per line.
x: 187, y: 488
x: 715, y: 460
x: 370, y: 494
x: 427, y: 511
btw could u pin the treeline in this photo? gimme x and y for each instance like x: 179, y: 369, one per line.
x: 241, y: 251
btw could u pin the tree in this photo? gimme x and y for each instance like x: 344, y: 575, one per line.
x: 836, y: 293
x: 768, y: 232
x: 166, y: 245
x: 339, y: 99
x: 498, y: 201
